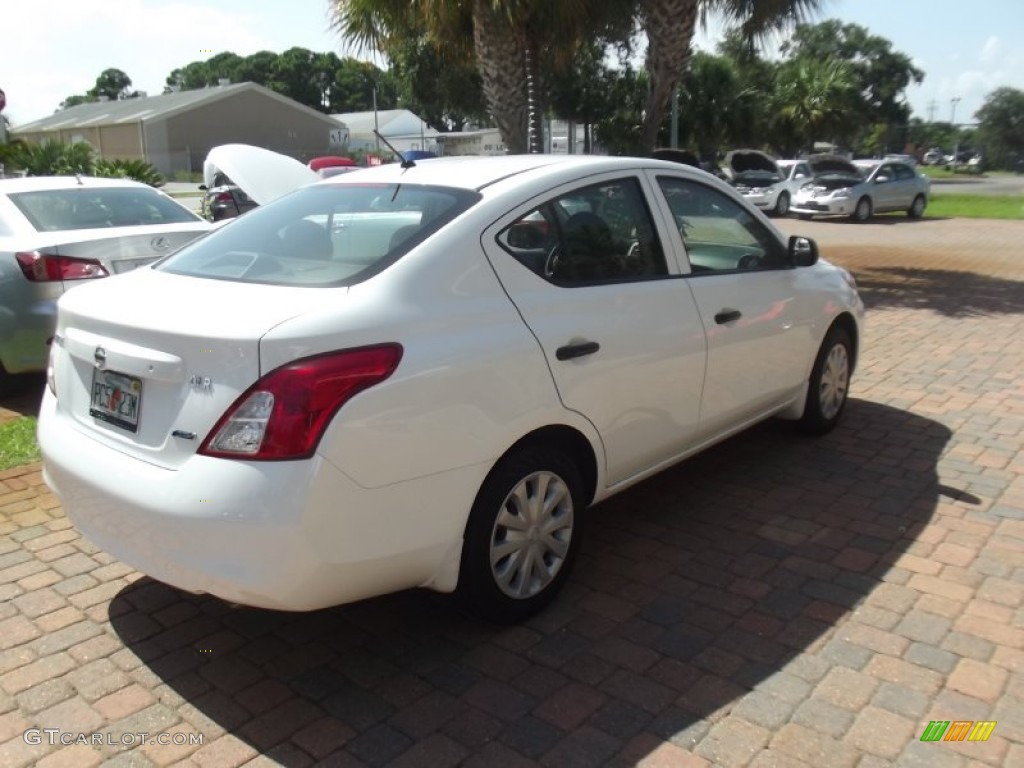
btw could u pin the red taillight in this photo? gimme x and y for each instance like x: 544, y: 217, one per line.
x: 223, y: 197
x: 284, y: 414
x: 49, y: 268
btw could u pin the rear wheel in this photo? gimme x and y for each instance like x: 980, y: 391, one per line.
x: 863, y: 210
x: 829, y: 383
x: 523, y: 534
x: 916, y: 210
x: 782, y: 204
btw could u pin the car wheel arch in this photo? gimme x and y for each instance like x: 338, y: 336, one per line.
x: 847, y: 323
x: 570, y: 441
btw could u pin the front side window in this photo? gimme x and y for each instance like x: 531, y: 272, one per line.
x: 597, y: 234
x: 322, y: 235
x: 720, y: 235
x: 57, y: 210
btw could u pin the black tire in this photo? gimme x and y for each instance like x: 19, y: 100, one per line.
x: 514, y: 598
x: 829, y: 383
x: 782, y: 204
x: 916, y: 209
x: 863, y: 210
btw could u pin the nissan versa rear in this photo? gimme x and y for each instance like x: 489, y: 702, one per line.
x: 422, y: 375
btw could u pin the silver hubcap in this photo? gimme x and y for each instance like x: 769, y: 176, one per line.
x: 783, y: 205
x: 863, y: 209
x: 835, y: 378
x: 918, y: 206
x: 531, y: 536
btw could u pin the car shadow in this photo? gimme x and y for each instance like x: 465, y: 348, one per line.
x: 951, y: 293
x: 691, y: 590
x: 21, y: 395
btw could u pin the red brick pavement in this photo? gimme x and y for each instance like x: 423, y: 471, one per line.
x: 775, y: 602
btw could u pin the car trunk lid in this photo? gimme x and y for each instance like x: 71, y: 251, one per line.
x: 149, y: 361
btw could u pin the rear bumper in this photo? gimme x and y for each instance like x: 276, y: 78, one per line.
x: 293, y: 535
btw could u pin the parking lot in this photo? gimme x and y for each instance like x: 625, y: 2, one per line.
x: 776, y: 601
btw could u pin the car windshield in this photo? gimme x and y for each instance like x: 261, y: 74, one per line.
x: 322, y: 235
x: 55, y: 210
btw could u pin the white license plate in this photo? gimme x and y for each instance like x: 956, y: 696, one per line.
x: 116, y: 398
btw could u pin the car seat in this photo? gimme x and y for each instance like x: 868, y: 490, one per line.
x: 308, y: 240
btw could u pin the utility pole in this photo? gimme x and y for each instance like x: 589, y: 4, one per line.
x: 933, y: 105
x: 952, y: 115
x: 956, y: 134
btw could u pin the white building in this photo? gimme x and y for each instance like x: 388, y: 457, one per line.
x: 403, y: 129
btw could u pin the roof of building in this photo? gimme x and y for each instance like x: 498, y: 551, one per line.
x: 365, y: 122
x: 148, y: 108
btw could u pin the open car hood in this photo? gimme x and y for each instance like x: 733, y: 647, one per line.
x: 832, y: 164
x: 740, y: 161
x: 263, y: 175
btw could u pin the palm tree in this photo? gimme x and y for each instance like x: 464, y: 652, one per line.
x: 670, y: 26
x: 814, y: 99
x: 510, y: 40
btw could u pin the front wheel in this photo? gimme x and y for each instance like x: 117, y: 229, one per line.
x: 523, y: 534
x: 916, y: 210
x: 782, y: 204
x: 829, y: 383
x: 863, y: 210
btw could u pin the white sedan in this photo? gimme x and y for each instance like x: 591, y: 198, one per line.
x: 423, y: 374
x: 58, y: 231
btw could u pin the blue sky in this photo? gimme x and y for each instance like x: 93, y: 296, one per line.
x: 55, y: 48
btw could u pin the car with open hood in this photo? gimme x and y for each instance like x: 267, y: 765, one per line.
x: 240, y: 177
x: 860, y: 189
x: 423, y: 374
x: 762, y: 181
x: 58, y: 232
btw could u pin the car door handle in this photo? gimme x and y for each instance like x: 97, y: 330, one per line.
x: 727, y: 316
x: 570, y: 351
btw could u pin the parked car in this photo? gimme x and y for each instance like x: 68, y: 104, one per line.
x: 422, y: 376
x: 934, y: 156
x: 861, y: 188
x: 232, y: 189
x: 57, y: 232
x: 225, y: 200
x: 763, y: 181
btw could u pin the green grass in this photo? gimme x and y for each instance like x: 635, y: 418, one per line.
x: 944, y: 205
x: 18, y: 442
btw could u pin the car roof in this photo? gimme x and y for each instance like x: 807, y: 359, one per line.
x: 36, y: 183
x: 476, y: 173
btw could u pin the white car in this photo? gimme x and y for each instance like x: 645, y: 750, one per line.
x: 767, y: 183
x: 861, y: 188
x: 56, y: 232
x: 421, y: 375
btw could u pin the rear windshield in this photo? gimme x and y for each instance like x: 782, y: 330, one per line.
x: 55, y: 210
x: 322, y: 235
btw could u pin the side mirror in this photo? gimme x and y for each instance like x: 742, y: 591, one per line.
x: 881, y: 180
x: 203, y: 188
x: 803, y: 251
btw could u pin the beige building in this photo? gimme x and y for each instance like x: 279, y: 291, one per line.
x: 175, y: 131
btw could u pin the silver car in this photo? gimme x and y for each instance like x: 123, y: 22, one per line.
x: 766, y: 183
x: 861, y: 188
x: 58, y: 231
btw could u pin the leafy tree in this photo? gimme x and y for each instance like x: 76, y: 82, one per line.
x: 1001, y: 127
x: 881, y: 75
x: 813, y: 99
x: 445, y: 91
x: 112, y: 83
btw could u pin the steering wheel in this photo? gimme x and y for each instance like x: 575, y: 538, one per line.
x: 749, y: 261
x: 554, y: 257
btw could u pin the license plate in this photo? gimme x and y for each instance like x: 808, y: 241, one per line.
x: 116, y: 398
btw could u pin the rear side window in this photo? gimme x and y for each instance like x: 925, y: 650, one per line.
x: 55, y: 210
x: 597, y: 234
x: 322, y: 235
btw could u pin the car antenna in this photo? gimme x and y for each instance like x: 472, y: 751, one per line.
x: 406, y: 162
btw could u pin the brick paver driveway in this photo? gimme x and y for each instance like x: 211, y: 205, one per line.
x: 776, y: 602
